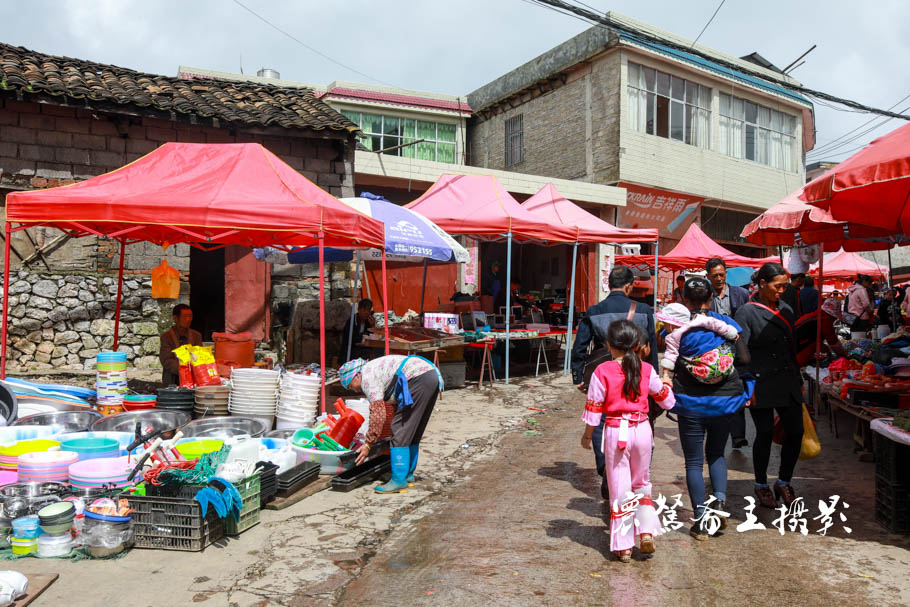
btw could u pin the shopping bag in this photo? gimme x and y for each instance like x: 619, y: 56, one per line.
x: 165, y: 282
x: 205, y: 371
x: 811, y: 445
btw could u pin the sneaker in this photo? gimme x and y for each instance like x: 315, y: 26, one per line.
x: 698, y: 533
x: 740, y: 442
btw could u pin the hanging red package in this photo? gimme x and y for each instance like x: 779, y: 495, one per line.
x: 165, y: 282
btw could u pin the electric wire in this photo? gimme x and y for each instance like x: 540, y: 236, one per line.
x: 717, y: 10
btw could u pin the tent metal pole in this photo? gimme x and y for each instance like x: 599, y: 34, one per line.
x: 818, y: 323
x: 5, y: 334
x: 780, y: 253
x: 322, y: 366
x: 566, y: 363
x: 656, y: 247
x: 385, y: 301
x: 894, y: 309
x: 119, y: 296
x: 423, y: 288
x: 508, y: 298
x: 354, y: 303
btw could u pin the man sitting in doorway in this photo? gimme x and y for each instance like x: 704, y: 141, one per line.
x: 363, y: 321
x: 178, y: 335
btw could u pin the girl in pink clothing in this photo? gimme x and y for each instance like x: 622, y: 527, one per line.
x: 619, y: 389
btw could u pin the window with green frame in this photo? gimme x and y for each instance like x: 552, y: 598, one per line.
x: 381, y: 132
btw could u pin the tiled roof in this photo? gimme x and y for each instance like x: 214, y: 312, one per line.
x: 397, y: 99
x: 228, y: 101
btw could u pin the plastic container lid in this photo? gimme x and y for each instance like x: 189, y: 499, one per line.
x: 90, y: 445
x: 54, y: 540
x: 107, y: 518
x: 22, y: 541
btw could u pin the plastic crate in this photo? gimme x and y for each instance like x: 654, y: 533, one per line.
x: 173, y: 523
x: 249, y: 514
x: 891, y: 458
x: 892, y: 505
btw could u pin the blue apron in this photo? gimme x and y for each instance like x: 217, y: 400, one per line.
x: 401, y: 391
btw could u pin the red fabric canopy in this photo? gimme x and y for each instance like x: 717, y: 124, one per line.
x: 780, y: 224
x: 555, y: 208
x: 872, y: 186
x: 843, y: 264
x: 692, y: 252
x: 191, y: 192
x: 478, y: 206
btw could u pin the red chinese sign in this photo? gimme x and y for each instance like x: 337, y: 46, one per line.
x: 670, y: 212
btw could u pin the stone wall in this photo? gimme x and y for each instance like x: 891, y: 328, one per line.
x: 61, y: 321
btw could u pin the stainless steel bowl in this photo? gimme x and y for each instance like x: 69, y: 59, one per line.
x: 285, y: 434
x: 149, y: 420
x: 73, y: 421
x: 225, y: 427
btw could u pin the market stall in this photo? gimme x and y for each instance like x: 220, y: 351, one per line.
x: 479, y: 207
x: 694, y: 249
x: 555, y: 208
x: 206, y: 195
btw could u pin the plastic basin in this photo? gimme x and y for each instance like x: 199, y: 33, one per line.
x: 194, y: 448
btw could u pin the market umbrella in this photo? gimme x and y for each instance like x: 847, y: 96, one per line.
x: 871, y: 187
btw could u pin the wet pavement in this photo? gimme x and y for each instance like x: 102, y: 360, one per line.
x: 527, y: 528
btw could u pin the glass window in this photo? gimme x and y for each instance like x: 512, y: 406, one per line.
x: 383, y: 132
x: 692, y: 93
x: 408, y: 127
x: 390, y: 126
x: 426, y: 130
x: 650, y: 76
x: 668, y: 106
x: 352, y: 116
x: 445, y: 132
x: 758, y: 133
x: 663, y: 84
x: 677, y: 120
x: 372, y: 123
x: 445, y: 152
x: 634, y: 75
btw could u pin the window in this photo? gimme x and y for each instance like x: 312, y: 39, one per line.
x: 514, y: 140
x: 669, y: 107
x: 755, y: 132
x: 381, y: 132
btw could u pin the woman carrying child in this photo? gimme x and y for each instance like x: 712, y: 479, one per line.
x: 708, y: 390
x: 619, y: 390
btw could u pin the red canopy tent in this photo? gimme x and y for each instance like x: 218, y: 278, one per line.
x: 552, y: 206
x: 847, y: 265
x: 206, y: 195
x: 694, y: 249
x: 478, y: 206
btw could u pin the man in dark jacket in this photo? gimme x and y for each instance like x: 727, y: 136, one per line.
x: 808, y: 296
x: 727, y: 300
x: 594, y: 326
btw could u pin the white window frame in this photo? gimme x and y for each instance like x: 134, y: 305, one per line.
x: 736, y: 122
x: 649, y: 88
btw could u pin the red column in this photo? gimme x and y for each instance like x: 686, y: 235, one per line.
x: 322, y: 366
x: 4, y: 334
x: 385, y: 301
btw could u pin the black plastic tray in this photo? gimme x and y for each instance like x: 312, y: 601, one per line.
x: 297, y: 478
x: 362, y: 474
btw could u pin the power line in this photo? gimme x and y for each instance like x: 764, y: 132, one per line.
x: 615, y: 26
x: 307, y: 46
x: 717, y: 10
x: 841, y: 137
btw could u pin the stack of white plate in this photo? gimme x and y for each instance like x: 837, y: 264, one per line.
x: 299, y: 401
x: 254, y: 393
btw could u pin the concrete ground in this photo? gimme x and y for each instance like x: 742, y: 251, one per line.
x: 305, y: 554
x: 527, y: 529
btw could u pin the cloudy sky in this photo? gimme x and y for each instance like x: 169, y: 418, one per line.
x: 455, y: 47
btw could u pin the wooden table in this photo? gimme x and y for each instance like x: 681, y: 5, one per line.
x: 541, y: 337
x: 862, y: 433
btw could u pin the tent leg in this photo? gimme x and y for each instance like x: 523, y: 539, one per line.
x: 780, y: 253
x: 423, y: 289
x: 5, y: 334
x: 818, y: 323
x: 891, y: 286
x: 566, y: 363
x: 508, y: 298
x: 119, y: 296
x: 656, y: 247
x: 385, y: 302
x: 353, y: 308
x: 322, y: 367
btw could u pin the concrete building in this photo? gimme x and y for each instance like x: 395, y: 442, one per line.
x: 688, y: 138
x: 63, y: 120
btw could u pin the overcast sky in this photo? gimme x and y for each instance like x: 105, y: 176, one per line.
x: 455, y: 47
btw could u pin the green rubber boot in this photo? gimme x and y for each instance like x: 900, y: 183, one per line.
x: 401, y: 461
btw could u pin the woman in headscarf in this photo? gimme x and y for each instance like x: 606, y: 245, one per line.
x: 405, y: 388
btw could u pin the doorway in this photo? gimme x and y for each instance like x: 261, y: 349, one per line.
x: 207, y: 291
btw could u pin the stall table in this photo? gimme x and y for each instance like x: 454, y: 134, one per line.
x: 862, y: 434
x: 540, y: 338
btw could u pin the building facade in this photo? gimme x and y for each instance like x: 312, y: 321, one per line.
x: 690, y: 139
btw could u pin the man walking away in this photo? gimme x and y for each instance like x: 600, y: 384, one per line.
x: 808, y: 296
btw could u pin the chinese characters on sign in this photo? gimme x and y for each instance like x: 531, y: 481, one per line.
x: 670, y: 212
x: 792, y: 518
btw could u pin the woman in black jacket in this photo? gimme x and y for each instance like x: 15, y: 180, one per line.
x: 767, y: 330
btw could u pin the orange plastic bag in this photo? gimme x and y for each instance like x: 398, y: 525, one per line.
x: 165, y: 282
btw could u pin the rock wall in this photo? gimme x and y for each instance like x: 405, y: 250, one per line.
x: 62, y: 321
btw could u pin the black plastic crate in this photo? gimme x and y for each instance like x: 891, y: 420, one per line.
x: 268, y: 481
x: 168, y: 523
x: 892, y: 460
x: 892, y: 506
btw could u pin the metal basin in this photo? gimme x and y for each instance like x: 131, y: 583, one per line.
x: 148, y: 420
x: 225, y: 427
x: 285, y: 434
x: 73, y: 421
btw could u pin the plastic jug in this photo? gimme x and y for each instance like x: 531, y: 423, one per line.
x: 243, y: 448
x: 347, y: 426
